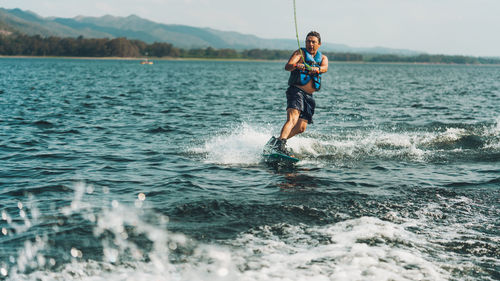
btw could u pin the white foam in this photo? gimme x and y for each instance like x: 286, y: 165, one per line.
x: 357, y: 249
x: 242, y: 146
x: 305, y: 146
x: 365, y: 248
x: 359, y: 145
x: 494, y: 134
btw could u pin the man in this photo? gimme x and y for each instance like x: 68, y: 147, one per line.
x: 305, y: 79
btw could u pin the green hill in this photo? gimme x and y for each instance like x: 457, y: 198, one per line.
x: 134, y: 27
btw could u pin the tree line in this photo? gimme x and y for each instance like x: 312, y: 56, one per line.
x: 36, y: 45
x: 25, y: 45
x: 425, y: 58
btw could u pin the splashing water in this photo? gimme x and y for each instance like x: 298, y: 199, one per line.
x: 354, y: 249
x: 243, y: 144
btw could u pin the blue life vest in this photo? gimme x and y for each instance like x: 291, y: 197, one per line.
x: 298, y: 77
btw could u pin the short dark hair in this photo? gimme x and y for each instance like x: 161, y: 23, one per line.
x: 316, y: 34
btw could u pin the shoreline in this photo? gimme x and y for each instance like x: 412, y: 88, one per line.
x: 134, y: 58
x: 224, y: 59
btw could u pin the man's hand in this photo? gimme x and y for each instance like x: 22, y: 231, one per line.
x: 314, y: 70
x: 302, y: 67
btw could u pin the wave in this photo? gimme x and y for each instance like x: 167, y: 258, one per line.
x: 43, y: 124
x: 243, y: 144
x: 133, y: 243
x: 357, y: 249
x: 159, y: 130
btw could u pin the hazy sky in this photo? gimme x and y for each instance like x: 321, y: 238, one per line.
x: 461, y: 27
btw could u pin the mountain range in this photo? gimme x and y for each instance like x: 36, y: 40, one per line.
x: 134, y: 27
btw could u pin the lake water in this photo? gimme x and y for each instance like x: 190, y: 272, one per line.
x: 112, y: 170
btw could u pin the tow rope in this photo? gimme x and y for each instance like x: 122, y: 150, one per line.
x: 308, y: 67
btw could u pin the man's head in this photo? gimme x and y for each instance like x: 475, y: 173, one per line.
x: 313, y: 41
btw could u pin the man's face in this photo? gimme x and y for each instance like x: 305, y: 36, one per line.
x: 312, y: 44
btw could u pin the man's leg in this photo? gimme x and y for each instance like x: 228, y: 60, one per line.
x: 299, y: 128
x: 292, y: 119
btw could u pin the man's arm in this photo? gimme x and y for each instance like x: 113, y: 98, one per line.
x: 292, y: 62
x: 324, y: 65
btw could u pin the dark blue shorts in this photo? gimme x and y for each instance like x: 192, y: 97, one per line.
x: 299, y: 99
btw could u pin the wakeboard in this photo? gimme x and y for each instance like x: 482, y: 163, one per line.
x: 278, y: 157
x: 271, y: 155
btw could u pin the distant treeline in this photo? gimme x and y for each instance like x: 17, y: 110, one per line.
x: 24, y: 45
x: 424, y: 58
x: 122, y: 47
